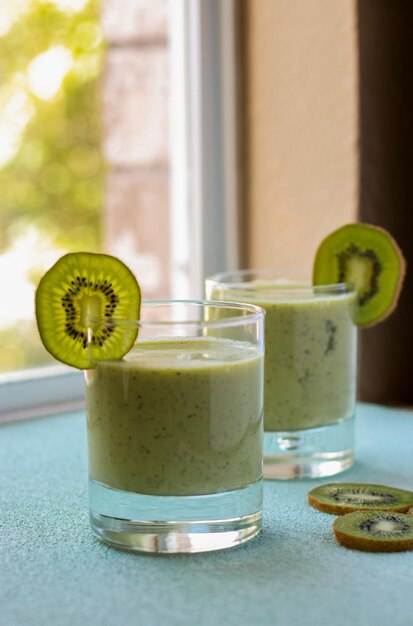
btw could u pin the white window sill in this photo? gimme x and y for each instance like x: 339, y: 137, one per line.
x: 40, y: 392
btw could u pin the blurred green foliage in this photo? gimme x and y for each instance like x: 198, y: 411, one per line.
x: 55, y: 180
x: 21, y: 348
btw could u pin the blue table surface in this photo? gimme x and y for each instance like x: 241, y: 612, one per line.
x: 53, y: 571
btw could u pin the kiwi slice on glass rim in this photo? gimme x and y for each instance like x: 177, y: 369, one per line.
x: 375, y: 531
x: 78, y: 301
x: 342, y: 498
x: 367, y: 257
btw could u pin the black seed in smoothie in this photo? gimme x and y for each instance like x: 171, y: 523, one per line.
x: 331, y: 331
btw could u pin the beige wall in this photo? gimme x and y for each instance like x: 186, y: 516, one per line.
x: 300, y: 126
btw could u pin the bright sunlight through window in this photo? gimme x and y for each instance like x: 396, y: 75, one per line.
x: 47, y: 71
x: 51, y: 170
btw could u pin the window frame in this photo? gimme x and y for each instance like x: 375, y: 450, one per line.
x: 204, y: 144
x: 204, y: 215
x: 40, y: 391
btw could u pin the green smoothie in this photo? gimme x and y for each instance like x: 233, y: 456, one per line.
x: 310, y: 355
x: 177, y: 417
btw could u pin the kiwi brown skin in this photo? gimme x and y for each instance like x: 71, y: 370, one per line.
x: 333, y: 278
x: 353, y: 531
x: 318, y: 498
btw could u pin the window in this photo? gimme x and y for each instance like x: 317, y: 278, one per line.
x: 155, y: 146
x: 51, y: 166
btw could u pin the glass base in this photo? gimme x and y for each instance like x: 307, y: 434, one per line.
x: 175, y: 524
x: 311, y: 453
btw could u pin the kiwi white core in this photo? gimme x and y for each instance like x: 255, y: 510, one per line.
x: 365, y: 497
x: 359, y: 272
x: 386, y: 526
x: 90, y: 311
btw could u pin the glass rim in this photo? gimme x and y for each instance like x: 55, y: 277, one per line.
x: 221, y: 279
x: 254, y: 314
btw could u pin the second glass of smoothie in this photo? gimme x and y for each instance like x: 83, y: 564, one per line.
x: 175, y: 430
x: 310, y: 369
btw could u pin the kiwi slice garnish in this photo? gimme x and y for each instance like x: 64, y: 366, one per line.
x: 342, y: 498
x: 369, y: 258
x: 79, y: 304
x: 375, y: 531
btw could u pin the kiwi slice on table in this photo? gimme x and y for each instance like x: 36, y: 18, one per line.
x: 342, y: 498
x: 375, y: 531
x: 78, y: 303
x: 369, y: 258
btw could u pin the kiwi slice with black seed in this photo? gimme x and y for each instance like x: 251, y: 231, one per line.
x: 367, y: 257
x: 342, y: 498
x: 79, y: 304
x: 375, y: 531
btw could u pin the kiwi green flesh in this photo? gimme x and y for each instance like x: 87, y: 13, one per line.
x: 79, y: 304
x: 375, y: 531
x: 368, y: 258
x: 342, y: 498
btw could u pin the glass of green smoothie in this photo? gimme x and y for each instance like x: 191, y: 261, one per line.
x: 175, y: 430
x: 310, y: 369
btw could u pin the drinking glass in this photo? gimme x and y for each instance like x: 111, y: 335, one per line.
x: 175, y: 430
x: 309, y: 372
